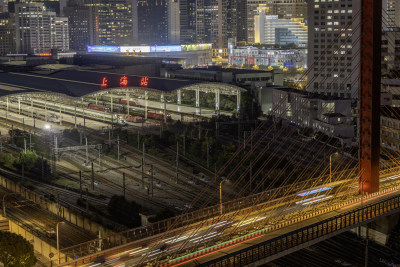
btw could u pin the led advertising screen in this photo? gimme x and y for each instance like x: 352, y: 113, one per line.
x: 166, y: 48
x: 104, y: 49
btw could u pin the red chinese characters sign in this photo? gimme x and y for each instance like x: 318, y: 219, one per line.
x: 123, y: 81
x: 104, y: 82
x: 144, y: 81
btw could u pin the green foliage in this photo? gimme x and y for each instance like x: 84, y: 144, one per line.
x: 15, y: 251
x: 124, y: 212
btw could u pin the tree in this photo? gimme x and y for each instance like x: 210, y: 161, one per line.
x: 15, y: 251
x: 124, y: 212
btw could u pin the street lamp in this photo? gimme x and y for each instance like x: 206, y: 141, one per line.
x: 220, y: 193
x: 4, y: 202
x: 330, y: 166
x: 58, y: 244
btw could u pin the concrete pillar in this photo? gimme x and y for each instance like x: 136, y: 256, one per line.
x: 19, y: 106
x: 96, y: 98
x: 111, y: 103
x: 127, y: 103
x: 31, y: 108
x: 197, y: 97
x: 238, y: 100
x: 146, y: 103
x: 7, y: 104
x: 217, y: 94
x: 179, y: 96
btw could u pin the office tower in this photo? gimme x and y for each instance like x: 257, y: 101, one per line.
x: 241, y: 20
x: 270, y: 29
x: 150, y: 22
x: 333, y: 41
x: 50, y: 5
x: 113, y: 21
x: 83, y: 28
x: 207, y: 21
x: 174, y: 34
x: 7, y: 33
x: 187, y: 11
x: 60, y: 39
x: 391, y: 13
x: 285, y: 9
x: 39, y: 31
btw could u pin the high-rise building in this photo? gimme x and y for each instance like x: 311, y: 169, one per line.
x: 187, y: 17
x: 207, y: 21
x: 270, y: 29
x: 333, y: 41
x: 39, y: 31
x: 60, y: 39
x: 50, y: 5
x: 83, y: 25
x: 113, y: 22
x: 7, y: 33
x: 150, y: 22
x: 174, y: 34
x: 391, y: 13
x: 285, y: 9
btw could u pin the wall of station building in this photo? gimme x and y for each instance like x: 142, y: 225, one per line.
x: 290, y: 58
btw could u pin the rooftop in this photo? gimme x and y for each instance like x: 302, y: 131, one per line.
x: 77, y: 83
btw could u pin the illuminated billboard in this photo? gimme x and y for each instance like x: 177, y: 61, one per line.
x: 166, y: 48
x: 104, y: 49
x: 137, y: 49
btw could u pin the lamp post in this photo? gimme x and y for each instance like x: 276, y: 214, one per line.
x: 4, y: 202
x: 330, y: 167
x: 58, y: 244
x: 220, y: 194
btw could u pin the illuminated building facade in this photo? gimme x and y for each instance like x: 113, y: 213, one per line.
x: 250, y: 56
x: 7, y: 33
x: 187, y: 11
x: 150, y: 24
x: 50, y: 5
x: 285, y: 9
x: 333, y: 44
x: 39, y: 31
x: 270, y: 29
x: 113, y: 22
x: 83, y: 25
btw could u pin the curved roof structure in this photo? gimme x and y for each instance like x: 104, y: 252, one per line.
x: 79, y: 83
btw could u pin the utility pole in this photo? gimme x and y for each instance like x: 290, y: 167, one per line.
x: 123, y: 182
x: 42, y: 168
x: 177, y: 161
x: 109, y: 138
x: 143, y: 166
x: 30, y: 141
x: 208, y: 161
x: 138, y: 140
x: 24, y: 145
x: 87, y: 152
x: 75, y: 116
x: 152, y: 184
x: 184, y: 143
x: 80, y: 184
x: 118, y: 146
x: 87, y: 200
x: 99, y: 158
x: 92, y: 177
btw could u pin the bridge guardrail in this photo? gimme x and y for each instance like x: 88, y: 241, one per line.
x: 306, y: 234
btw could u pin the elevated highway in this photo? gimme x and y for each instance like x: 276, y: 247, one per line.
x: 209, y: 239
